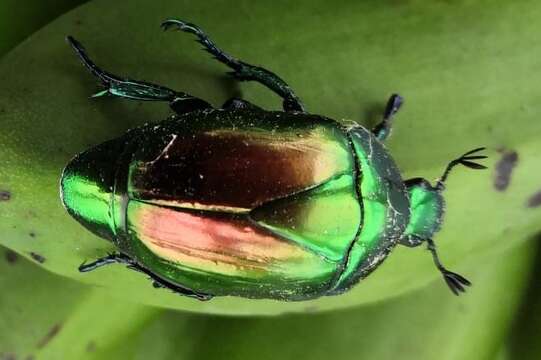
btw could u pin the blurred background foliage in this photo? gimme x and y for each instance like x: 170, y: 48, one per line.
x: 47, y: 316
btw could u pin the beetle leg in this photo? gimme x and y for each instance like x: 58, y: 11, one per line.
x: 383, y: 129
x: 137, y: 90
x: 465, y: 160
x: 159, y: 283
x: 241, y: 70
x: 156, y: 281
x: 456, y: 282
x: 106, y: 260
x: 236, y: 103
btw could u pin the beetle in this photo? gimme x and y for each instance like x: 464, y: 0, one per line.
x: 241, y: 201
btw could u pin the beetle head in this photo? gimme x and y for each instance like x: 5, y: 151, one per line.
x: 427, y: 207
x: 86, y: 187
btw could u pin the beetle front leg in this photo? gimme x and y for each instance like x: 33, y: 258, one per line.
x: 456, y: 282
x: 383, y: 129
x: 179, y: 102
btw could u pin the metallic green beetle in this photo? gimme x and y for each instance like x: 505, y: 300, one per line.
x: 246, y: 202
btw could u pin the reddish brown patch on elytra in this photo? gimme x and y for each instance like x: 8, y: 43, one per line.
x: 236, y: 170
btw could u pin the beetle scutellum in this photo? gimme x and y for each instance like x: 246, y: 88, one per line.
x: 247, y: 202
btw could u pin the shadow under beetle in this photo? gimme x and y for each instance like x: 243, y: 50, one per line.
x: 247, y: 202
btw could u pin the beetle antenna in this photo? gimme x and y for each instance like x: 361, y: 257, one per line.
x: 465, y: 160
x: 455, y: 281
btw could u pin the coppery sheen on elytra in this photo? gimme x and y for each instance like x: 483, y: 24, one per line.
x: 233, y: 169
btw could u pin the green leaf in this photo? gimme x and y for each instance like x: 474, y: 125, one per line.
x: 19, y: 19
x: 466, y: 69
x: 427, y: 324
x: 88, y: 324
x: 47, y: 315
x: 524, y: 336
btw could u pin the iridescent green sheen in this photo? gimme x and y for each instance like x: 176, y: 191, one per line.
x: 385, y: 206
x: 426, y: 210
x: 324, y: 219
x: 224, y: 255
x: 247, y: 203
x: 286, y: 180
x: 240, y: 201
x: 87, y: 185
x: 85, y: 199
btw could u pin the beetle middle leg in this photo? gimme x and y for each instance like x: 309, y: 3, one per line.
x: 241, y: 70
x: 137, y: 90
x: 383, y: 129
x: 156, y: 281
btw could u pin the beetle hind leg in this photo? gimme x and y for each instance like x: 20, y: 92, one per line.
x: 241, y: 70
x: 137, y: 90
x: 160, y: 283
x: 157, y: 282
x: 106, y: 260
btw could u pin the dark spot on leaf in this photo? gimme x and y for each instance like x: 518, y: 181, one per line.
x: 5, y: 195
x: 50, y: 335
x: 32, y: 234
x: 37, y: 257
x: 11, y: 256
x: 91, y: 346
x: 534, y: 200
x: 504, y: 168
